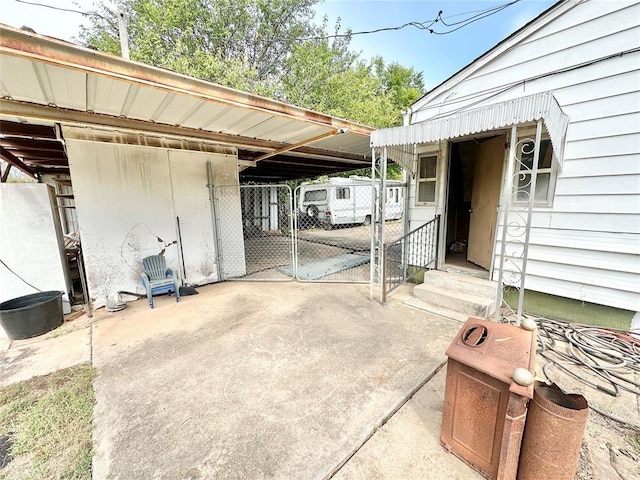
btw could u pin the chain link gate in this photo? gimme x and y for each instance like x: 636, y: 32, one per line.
x: 334, y: 223
x: 259, y: 247
x: 325, y: 238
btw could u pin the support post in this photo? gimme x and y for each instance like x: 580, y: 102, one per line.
x: 505, y: 204
x: 372, y: 268
x: 532, y: 199
x: 382, y: 203
x: 214, y: 223
x: 124, y: 34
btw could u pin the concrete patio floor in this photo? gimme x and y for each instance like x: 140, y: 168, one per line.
x: 261, y: 380
x: 277, y: 380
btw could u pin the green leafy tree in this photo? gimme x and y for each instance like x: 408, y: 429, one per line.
x: 239, y: 43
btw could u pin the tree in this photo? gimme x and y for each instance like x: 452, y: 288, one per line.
x: 403, y: 84
x: 239, y: 43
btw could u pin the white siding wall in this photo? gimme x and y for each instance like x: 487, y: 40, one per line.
x: 587, y: 244
x: 128, y: 196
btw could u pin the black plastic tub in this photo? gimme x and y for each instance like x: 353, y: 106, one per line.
x: 31, y: 315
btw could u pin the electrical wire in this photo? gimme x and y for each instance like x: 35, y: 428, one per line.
x: 7, y: 267
x: 495, y: 92
x: 426, y: 25
x: 63, y: 9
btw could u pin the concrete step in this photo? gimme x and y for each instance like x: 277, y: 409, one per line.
x: 436, y: 310
x: 461, y: 283
x: 455, y: 299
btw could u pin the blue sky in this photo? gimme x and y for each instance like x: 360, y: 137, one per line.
x: 436, y: 56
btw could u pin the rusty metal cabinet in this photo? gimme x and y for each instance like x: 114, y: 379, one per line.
x: 485, y: 409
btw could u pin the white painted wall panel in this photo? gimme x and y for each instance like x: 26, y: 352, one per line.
x: 603, y: 222
x: 621, y: 124
x: 610, y: 106
x: 127, y: 199
x: 602, y: 185
x: 589, y: 276
x: 531, y: 60
x: 623, y: 262
x: 605, y: 146
x: 193, y: 209
x: 588, y: 293
x: 31, y: 241
x: 583, y: 19
x: 628, y: 204
x: 598, y: 242
x: 594, y: 166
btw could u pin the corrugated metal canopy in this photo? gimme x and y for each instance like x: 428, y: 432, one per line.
x: 400, y: 140
x: 44, y: 79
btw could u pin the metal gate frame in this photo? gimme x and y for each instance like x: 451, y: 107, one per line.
x: 297, y: 238
x: 272, y: 204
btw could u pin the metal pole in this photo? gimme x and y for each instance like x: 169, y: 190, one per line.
x: 532, y: 198
x: 372, y: 226
x: 382, y: 201
x: 437, y: 239
x: 124, y: 35
x: 383, y: 284
x: 214, y: 223
x: 505, y: 204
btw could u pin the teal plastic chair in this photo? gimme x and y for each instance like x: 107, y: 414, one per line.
x: 157, y: 278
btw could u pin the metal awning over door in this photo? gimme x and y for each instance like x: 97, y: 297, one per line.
x: 399, y: 141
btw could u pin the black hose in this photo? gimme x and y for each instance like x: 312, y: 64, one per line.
x: 7, y: 267
x: 601, y: 358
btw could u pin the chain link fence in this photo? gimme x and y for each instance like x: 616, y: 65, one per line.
x: 263, y: 247
x: 333, y: 231
x: 326, y: 237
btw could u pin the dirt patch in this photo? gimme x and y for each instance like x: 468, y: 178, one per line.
x: 609, y: 450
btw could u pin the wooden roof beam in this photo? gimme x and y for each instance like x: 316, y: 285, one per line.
x: 5, y: 174
x: 11, y: 159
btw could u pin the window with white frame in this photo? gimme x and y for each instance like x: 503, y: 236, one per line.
x: 546, y: 173
x: 426, y: 180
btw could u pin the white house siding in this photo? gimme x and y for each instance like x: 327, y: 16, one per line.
x: 587, y: 244
x: 128, y: 196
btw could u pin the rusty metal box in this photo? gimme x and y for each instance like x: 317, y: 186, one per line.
x: 484, y: 409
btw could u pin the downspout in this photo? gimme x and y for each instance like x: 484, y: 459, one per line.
x: 214, y: 223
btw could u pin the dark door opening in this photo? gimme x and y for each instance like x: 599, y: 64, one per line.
x: 461, y: 165
x: 474, y: 191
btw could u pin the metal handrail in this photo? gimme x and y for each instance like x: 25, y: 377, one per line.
x: 418, y: 248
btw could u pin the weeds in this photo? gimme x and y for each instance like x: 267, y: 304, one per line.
x: 48, y: 421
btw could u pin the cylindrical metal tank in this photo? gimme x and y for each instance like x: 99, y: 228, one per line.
x: 552, y: 435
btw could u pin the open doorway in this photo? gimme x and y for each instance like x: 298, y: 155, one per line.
x: 475, y: 172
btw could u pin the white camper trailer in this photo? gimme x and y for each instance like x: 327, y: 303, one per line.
x: 341, y: 201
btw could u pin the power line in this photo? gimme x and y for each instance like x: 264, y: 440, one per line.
x: 427, y: 24
x: 495, y: 92
x: 62, y: 9
x: 475, y: 18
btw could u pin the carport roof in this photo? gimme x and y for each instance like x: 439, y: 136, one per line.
x: 45, y: 81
